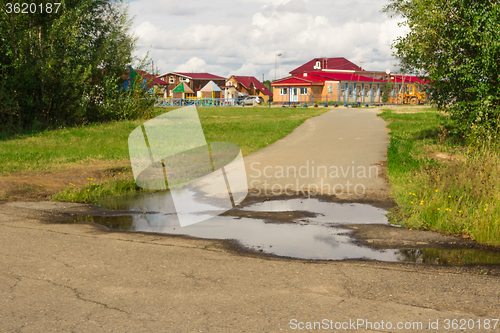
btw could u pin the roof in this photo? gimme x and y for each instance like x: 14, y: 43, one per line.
x: 339, y: 63
x: 299, y: 80
x: 210, y: 86
x: 183, y: 87
x: 408, y: 79
x: 347, y: 77
x: 196, y: 76
x: 311, y: 78
x: 246, y: 81
x: 148, y: 80
x: 152, y: 80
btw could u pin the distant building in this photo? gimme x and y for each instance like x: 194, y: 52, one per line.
x: 338, y: 80
x: 327, y: 64
x: 319, y: 86
x: 338, y: 65
x: 195, y: 81
x: 151, y: 83
x: 246, y: 85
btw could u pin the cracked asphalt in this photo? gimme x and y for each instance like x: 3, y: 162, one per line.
x: 81, y: 278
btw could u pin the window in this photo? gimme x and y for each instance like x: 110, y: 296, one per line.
x: 171, y: 80
x: 283, y: 91
x: 182, y: 79
x: 303, y: 91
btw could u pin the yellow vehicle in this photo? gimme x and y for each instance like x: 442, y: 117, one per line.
x: 411, y: 94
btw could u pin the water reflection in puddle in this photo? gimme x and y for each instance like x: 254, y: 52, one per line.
x: 320, y: 237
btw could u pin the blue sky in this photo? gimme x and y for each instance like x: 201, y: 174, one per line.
x: 242, y: 37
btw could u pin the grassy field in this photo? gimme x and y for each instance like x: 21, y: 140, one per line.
x: 440, y: 184
x: 252, y: 128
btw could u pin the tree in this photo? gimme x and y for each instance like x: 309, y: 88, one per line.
x: 455, y: 44
x: 386, y: 91
x: 63, y: 68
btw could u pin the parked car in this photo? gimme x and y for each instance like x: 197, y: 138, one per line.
x: 253, y: 100
x: 240, y: 100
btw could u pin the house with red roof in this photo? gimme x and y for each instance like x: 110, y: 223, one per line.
x: 319, y: 86
x: 326, y: 64
x: 338, y: 80
x: 247, y: 85
x: 150, y: 82
x: 195, y: 81
x: 337, y: 65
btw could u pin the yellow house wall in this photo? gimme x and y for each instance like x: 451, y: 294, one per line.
x: 251, y: 92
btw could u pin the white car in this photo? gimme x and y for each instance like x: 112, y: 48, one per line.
x: 253, y: 100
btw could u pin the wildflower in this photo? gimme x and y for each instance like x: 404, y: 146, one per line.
x: 436, y: 190
x: 410, y: 181
x: 449, y: 196
x: 411, y: 202
x: 439, y: 208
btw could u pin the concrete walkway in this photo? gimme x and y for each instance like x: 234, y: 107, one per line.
x: 338, y: 153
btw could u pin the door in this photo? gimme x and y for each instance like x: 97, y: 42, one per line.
x: 294, y: 94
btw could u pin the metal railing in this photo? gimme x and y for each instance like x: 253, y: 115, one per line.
x: 197, y: 101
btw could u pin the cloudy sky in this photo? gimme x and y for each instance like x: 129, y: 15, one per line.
x: 242, y: 37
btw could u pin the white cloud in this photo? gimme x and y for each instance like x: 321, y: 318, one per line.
x: 194, y: 64
x: 243, y: 37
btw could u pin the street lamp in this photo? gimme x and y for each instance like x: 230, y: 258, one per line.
x: 276, y: 64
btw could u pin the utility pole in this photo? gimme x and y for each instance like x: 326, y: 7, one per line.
x: 280, y: 66
x: 276, y: 64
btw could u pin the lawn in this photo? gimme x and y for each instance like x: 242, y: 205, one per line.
x: 252, y: 128
x: 440, y: 184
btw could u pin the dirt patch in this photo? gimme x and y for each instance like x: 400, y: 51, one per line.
x: 446, y: 157
x: 270, y: 217
x: 391, y: 237
x: 38, y: 186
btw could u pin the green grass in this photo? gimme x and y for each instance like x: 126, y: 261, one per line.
x: 94, y: 189
x: 459, y: 196
x: 252, y: 128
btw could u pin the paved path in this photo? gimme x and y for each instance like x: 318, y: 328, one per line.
x: 338, y: 153
x: 81, y: 278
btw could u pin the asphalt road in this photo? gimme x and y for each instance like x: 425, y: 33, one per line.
x: 339, y: 153
x: 81, y: 278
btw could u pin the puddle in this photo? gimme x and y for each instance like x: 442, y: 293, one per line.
x: 316, y: 235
